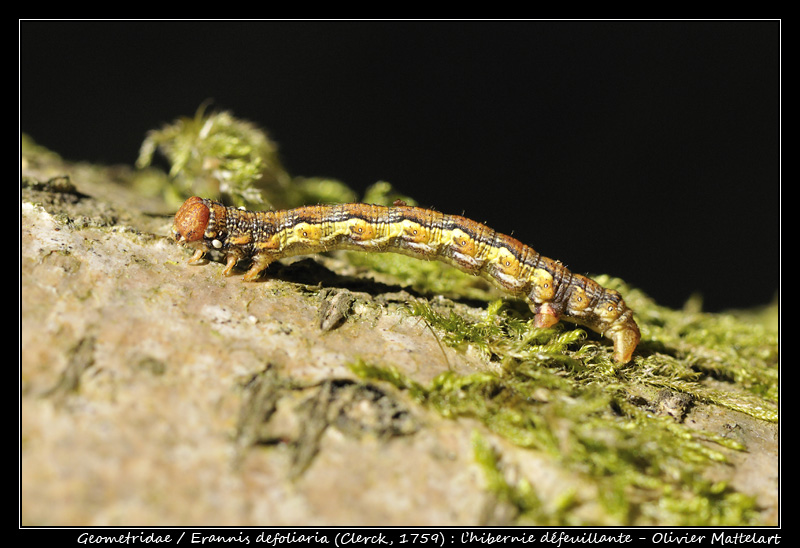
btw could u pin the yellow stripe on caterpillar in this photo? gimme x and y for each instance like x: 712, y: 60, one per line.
x: 551, y: 290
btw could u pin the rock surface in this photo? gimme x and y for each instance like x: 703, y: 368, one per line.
x: 157, y: 393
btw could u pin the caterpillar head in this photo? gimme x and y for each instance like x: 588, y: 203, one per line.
x: 191, y: 221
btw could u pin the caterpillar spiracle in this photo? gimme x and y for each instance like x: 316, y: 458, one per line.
x: 551, y: 290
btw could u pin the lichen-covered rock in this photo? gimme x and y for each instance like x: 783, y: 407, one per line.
x: 156, y: 393
x: 137, y: 373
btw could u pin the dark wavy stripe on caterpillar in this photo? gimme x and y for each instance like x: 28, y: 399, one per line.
x: 551, y: 290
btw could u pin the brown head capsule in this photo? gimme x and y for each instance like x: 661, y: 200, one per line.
x: 191, y: 221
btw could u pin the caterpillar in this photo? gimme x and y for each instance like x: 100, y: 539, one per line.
x: 551, y: 290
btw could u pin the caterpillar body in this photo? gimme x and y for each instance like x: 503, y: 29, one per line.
x: 551, y: 290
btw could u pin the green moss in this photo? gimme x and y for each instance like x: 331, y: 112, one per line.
x: 428, y: 277
x: 738, y: 350
x: 561, y: 393
x: 521, y: 496
x: 219, y: 156
x: 646, y: 468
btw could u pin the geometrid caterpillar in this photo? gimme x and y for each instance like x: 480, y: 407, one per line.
x: 551, y: 290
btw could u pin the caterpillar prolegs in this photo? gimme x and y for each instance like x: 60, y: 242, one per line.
x: 551, y: 290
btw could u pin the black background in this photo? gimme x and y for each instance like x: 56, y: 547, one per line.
x: 643, y: 149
